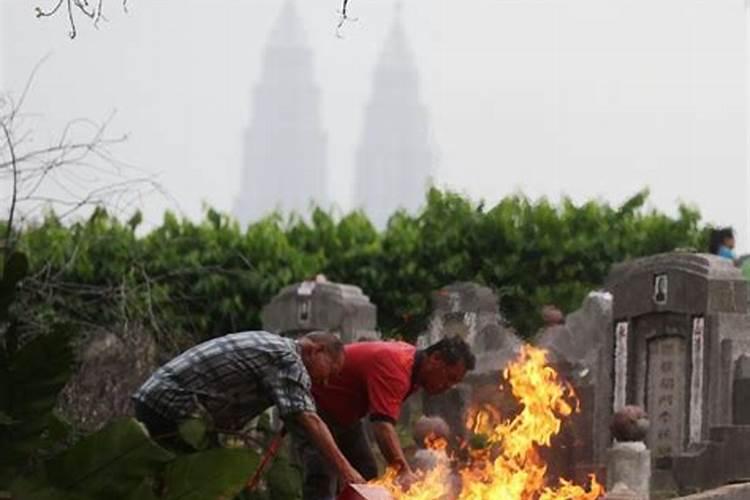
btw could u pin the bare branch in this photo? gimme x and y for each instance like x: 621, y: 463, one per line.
x: 14, y: 196
x: 75, y: 170
x: 343, y: 19
x: 41, y: 13
x: 95, y: 13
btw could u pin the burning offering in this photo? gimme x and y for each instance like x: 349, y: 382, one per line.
x: 508, y: 465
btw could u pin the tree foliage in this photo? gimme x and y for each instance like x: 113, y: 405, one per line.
x: 193, y: 280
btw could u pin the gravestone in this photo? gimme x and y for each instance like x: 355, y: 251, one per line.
x: 322, y: 305
x: 577, y: 350
x: 111, y: 368
x: 472, y: 312
x: 628, y: 460
x: 680, y: 322
x: 741, y: 391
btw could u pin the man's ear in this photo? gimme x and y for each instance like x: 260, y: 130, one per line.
x: 435, y: 358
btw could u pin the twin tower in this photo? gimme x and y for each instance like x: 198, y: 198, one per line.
x: 285, y: 157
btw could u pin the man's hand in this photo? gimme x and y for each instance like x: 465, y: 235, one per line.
x: 406, y: 478
x: 321, y: 436
x: 390, y: 447
x: 351, y: 476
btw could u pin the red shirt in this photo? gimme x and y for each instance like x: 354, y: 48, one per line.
x: 375, y: 380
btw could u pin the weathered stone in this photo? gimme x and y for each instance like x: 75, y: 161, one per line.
x: 470, y: 311
x: 451, y: 406
x: 630, y: 424
x: 690, y: 277
x: 732, y: 492
x: 629, y: 464
x: 322, y: 305
x: 112, y: 367
x: 430, y: 427
x: 741, y: 392
x: 681, y: 326
x: 666, y: 395
x: 581, y: 351
x: 621, y: 492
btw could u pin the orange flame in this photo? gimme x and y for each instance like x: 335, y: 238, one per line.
x: 510, y: 468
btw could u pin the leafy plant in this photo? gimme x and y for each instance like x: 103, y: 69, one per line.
x: 188, y: 281
x: 31, y: 375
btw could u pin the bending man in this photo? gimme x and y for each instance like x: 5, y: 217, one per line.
x: 236, y: 377
x: 376, y: 379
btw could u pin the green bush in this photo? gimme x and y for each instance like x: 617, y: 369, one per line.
x: 188, y: 281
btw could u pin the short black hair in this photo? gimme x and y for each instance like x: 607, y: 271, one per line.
x: 453, y: 350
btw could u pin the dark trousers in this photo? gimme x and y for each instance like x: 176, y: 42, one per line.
x: 320, y: 477
x: 162, y: 430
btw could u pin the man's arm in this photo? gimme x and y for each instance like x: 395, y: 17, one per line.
x: 321, y: 437
x: 390, y: 447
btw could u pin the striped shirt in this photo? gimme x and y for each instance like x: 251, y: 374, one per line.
x: 234, y: 378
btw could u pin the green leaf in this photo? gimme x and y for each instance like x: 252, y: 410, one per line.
x: 58, y: 430
x: 145, y: 491
x: 210, y: 474
x: 30, y: 382
x: 16, y: 268
x: 193, y: 432
x: 111, y: 463
x: 5, y: 419
x: 284, y: 480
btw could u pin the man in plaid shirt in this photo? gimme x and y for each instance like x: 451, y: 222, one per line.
x: 236, y: 377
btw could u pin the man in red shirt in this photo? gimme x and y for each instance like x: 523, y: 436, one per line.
x: 375, y: 380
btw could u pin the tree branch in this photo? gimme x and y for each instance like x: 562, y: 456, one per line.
x: 14, y: 195
x: 96, y: 14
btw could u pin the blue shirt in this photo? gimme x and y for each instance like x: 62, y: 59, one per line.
x: 726, y: 252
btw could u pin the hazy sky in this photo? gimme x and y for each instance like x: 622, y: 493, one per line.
x: 589, y: 98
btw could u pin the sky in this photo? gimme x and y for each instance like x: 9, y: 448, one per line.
x: 581, y: 98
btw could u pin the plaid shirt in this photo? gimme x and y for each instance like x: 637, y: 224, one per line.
x: 235, y: 378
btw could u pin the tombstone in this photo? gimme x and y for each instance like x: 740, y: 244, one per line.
x: 112, y: 367
x: 741, y: 391
x: 322, y: 305
x: 472, y: 312
x: 628, y: 460
x: 576, y: 350
x: 679, y: 322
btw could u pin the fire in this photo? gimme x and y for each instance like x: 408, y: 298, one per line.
x: 509, y: 467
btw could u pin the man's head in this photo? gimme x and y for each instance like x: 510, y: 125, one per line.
x: 322, y: 354
x: 444, y: 365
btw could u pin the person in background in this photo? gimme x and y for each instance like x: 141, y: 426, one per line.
x: 721, y: 243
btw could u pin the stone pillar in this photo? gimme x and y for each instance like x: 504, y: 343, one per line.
x: 622, y: 492
x: 629, y: 464
x: 628, y: 460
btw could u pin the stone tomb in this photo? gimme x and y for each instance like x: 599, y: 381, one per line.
x: 576, y: 350
x: 679, y: 323
x: 580, y: 351
x: 471, y: 311
x: 322, y: 305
